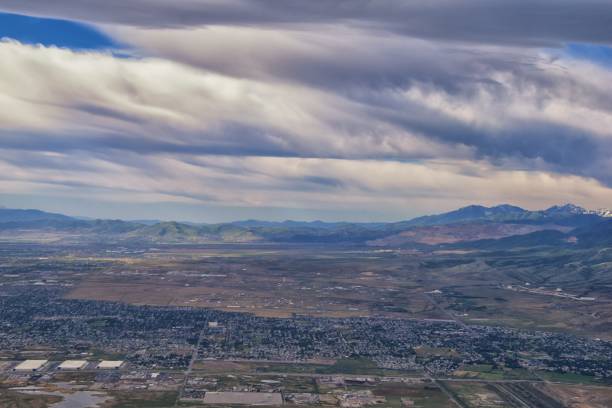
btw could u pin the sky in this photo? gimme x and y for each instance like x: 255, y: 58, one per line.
x: 360, y: 110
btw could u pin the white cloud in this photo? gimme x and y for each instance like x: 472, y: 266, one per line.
x: 389, y: 189
x: 289, y: 119
x: 91, y: 95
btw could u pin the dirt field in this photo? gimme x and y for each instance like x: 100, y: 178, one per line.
x: 271, y: 285
x: 243, y: 398
x: 280, y: 282
x: 581, y: 396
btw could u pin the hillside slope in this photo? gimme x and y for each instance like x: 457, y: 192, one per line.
x: 477, y: 224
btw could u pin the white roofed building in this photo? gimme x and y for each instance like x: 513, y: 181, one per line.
x: 30, y: 365
x: 110, y: 364
x: 72, y: 365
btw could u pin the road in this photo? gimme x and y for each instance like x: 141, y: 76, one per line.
x: 194, y: 357
x: 451, y: 316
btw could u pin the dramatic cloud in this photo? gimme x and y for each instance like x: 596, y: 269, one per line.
x: 534, y: 22
x: 87, y: 100
x: 357, y: 188
x: 391, y: 108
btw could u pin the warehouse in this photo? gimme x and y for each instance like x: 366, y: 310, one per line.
x: 110, y: 364
x: 72, y: 365
x: 30, y: 365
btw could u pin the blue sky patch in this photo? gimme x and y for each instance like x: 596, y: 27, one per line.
x: 47, y: 31
x: 600, y: 54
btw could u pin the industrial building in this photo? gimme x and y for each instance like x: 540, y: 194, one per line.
x: 110, y: 364
x: 30, y: 365
x: 72, y: 365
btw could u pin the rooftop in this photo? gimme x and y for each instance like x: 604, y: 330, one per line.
x: 72, y: 364
x: 30, y: 365
x: 106, y: 364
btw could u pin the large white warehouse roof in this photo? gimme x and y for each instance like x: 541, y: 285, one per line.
x: 72, y: 365
x: 110, y: 364
x: 30, y: 365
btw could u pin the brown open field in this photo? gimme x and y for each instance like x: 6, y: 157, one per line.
x: 418, y: 394
x: 266, y: 284
x: 488, y: 305
x: 581, y: 396
x: 12, y: 399
x: 274, y: 303
x: 347, y: 282
x: 477, y: 395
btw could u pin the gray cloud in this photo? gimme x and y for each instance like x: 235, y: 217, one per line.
x: 313, y: 104
x: 532, y: 22
x: 376, y: 75
x: 288, y: 183
x: 510, y: 106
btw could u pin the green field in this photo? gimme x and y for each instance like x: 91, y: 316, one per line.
x: 488, y: 372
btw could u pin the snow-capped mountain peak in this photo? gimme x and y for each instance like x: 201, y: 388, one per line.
x: 602, y: 212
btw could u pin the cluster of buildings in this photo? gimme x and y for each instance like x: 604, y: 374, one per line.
x: 443, y: 346
x: 165, y: 338
x: 68, y: 365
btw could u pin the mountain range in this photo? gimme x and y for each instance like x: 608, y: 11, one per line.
x: 472, y: 226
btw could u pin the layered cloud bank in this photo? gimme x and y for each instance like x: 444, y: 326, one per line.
x: 373, y: 107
